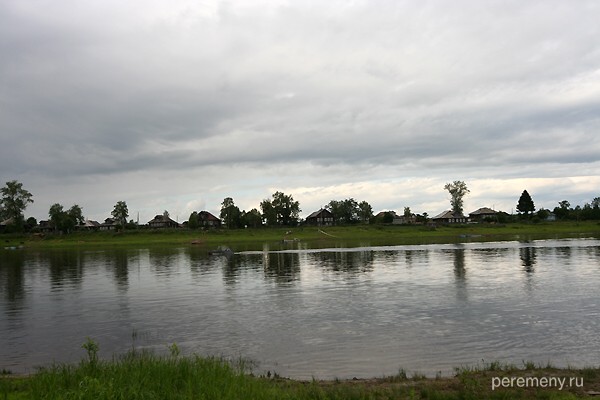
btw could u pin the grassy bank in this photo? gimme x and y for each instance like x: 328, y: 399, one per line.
x: 356, y: 235
x: 140, y: 375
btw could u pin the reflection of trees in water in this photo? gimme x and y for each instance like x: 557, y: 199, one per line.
x: 120, y: 261
x: 283, y: 268
x: 460, y: 272
x: 12, y: 276
x: 164, y: 260
x: 231, y: 267
x: 528, y: 258
x: 66, y: 267
x: 352, y: 262
x: 200, y: 262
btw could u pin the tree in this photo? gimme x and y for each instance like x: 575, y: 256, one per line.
x: 230, y: 213
x: 65, y: 221
x: 365, y: 211
x: 563, y: 210
x: 57, y: 216
x: 76, y: 214
x: 525, y: 204
x: 120, y: 213
x: 269, y: 215
x: 252, y: 218
x: 193, y: 222
x: 280, y: 210
x: 286, y: 209
x: 14, y: 201
x: 457, y: 190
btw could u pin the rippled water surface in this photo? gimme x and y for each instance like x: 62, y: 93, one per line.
x: 325, y: 313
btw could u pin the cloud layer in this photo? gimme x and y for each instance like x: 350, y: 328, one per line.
x: 173, y: 104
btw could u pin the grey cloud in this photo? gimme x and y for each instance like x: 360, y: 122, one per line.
x: 422, y: 88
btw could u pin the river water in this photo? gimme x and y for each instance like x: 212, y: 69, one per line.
x: 343, y: 312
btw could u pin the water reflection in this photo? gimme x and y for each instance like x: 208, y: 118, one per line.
x: 528, y: 257
x: 349, y: 263
x: 66, y: 268
x: 282, y: 268
x: 12, y: 279
x: 345, y: 312
x: 460, y: 274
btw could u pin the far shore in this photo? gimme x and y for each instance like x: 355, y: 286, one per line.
x: 307, y: 236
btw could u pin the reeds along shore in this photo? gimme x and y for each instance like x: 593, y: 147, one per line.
x: 144, y: 375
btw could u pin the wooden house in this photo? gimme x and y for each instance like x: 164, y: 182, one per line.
x: 449, y: 217
x: 322, y: 217
x: 483, y: 214
x: 208, y: 220
x: 162, y: 221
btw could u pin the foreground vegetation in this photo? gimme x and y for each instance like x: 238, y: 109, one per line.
x: 313, y: 237
x: 143, y: 375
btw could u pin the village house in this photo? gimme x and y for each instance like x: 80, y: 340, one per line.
x: 322, y: 217
x: 449, y: 217
x: 89, y: 225
x: 109, y: 224
x: 208, y: 220
x: 483, y: 214
x: 162, y: 221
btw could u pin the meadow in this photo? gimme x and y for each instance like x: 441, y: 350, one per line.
x: 314, y: 237
x: 143, y: 375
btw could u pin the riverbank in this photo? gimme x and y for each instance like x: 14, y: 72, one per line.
x: 139, y: 375
x: 313, y: 237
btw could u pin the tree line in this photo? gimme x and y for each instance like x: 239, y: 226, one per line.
x: 279, y: 210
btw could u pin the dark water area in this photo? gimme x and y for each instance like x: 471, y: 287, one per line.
x: 303, y: 313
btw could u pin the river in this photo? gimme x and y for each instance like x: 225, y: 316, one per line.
x: 303, y: 313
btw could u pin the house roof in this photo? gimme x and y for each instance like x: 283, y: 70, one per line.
x: 382, y: 214
x: 206, y: 216
x: 316, y: 213
x: 483, y: 211
x: 161, y: 218
x: 448, y: 214
x: 90, y: 224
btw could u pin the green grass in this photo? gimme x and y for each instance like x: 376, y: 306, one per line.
x: 143, y: 375
x: 349, y: 236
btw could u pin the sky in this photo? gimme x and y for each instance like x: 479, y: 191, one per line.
x: 175, y: 105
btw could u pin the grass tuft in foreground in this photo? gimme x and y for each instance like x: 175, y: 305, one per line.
x: 143, y: 375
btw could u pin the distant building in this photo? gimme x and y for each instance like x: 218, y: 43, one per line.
x: 109, y: 224
x: 322, y: 217
x: 162, y: 221
x: 483, y: 214
x: 449, y: 217
x: 89, y: 225
x: 208, y: 220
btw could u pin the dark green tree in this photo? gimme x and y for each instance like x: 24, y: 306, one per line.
x: 252, y: 218
x: 230, y: 213
x: 120, y: 213
x: 563, y: 210
x: 365, y: 211
x: 286, y: 209
x: 458, y: 190
x: 193, y: 222
x: 269, y: 215
x: 14, y: 201
x: 525, y: 204
x: 76, y: 214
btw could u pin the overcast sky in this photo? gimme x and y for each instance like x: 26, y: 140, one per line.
x: 175, y: 105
